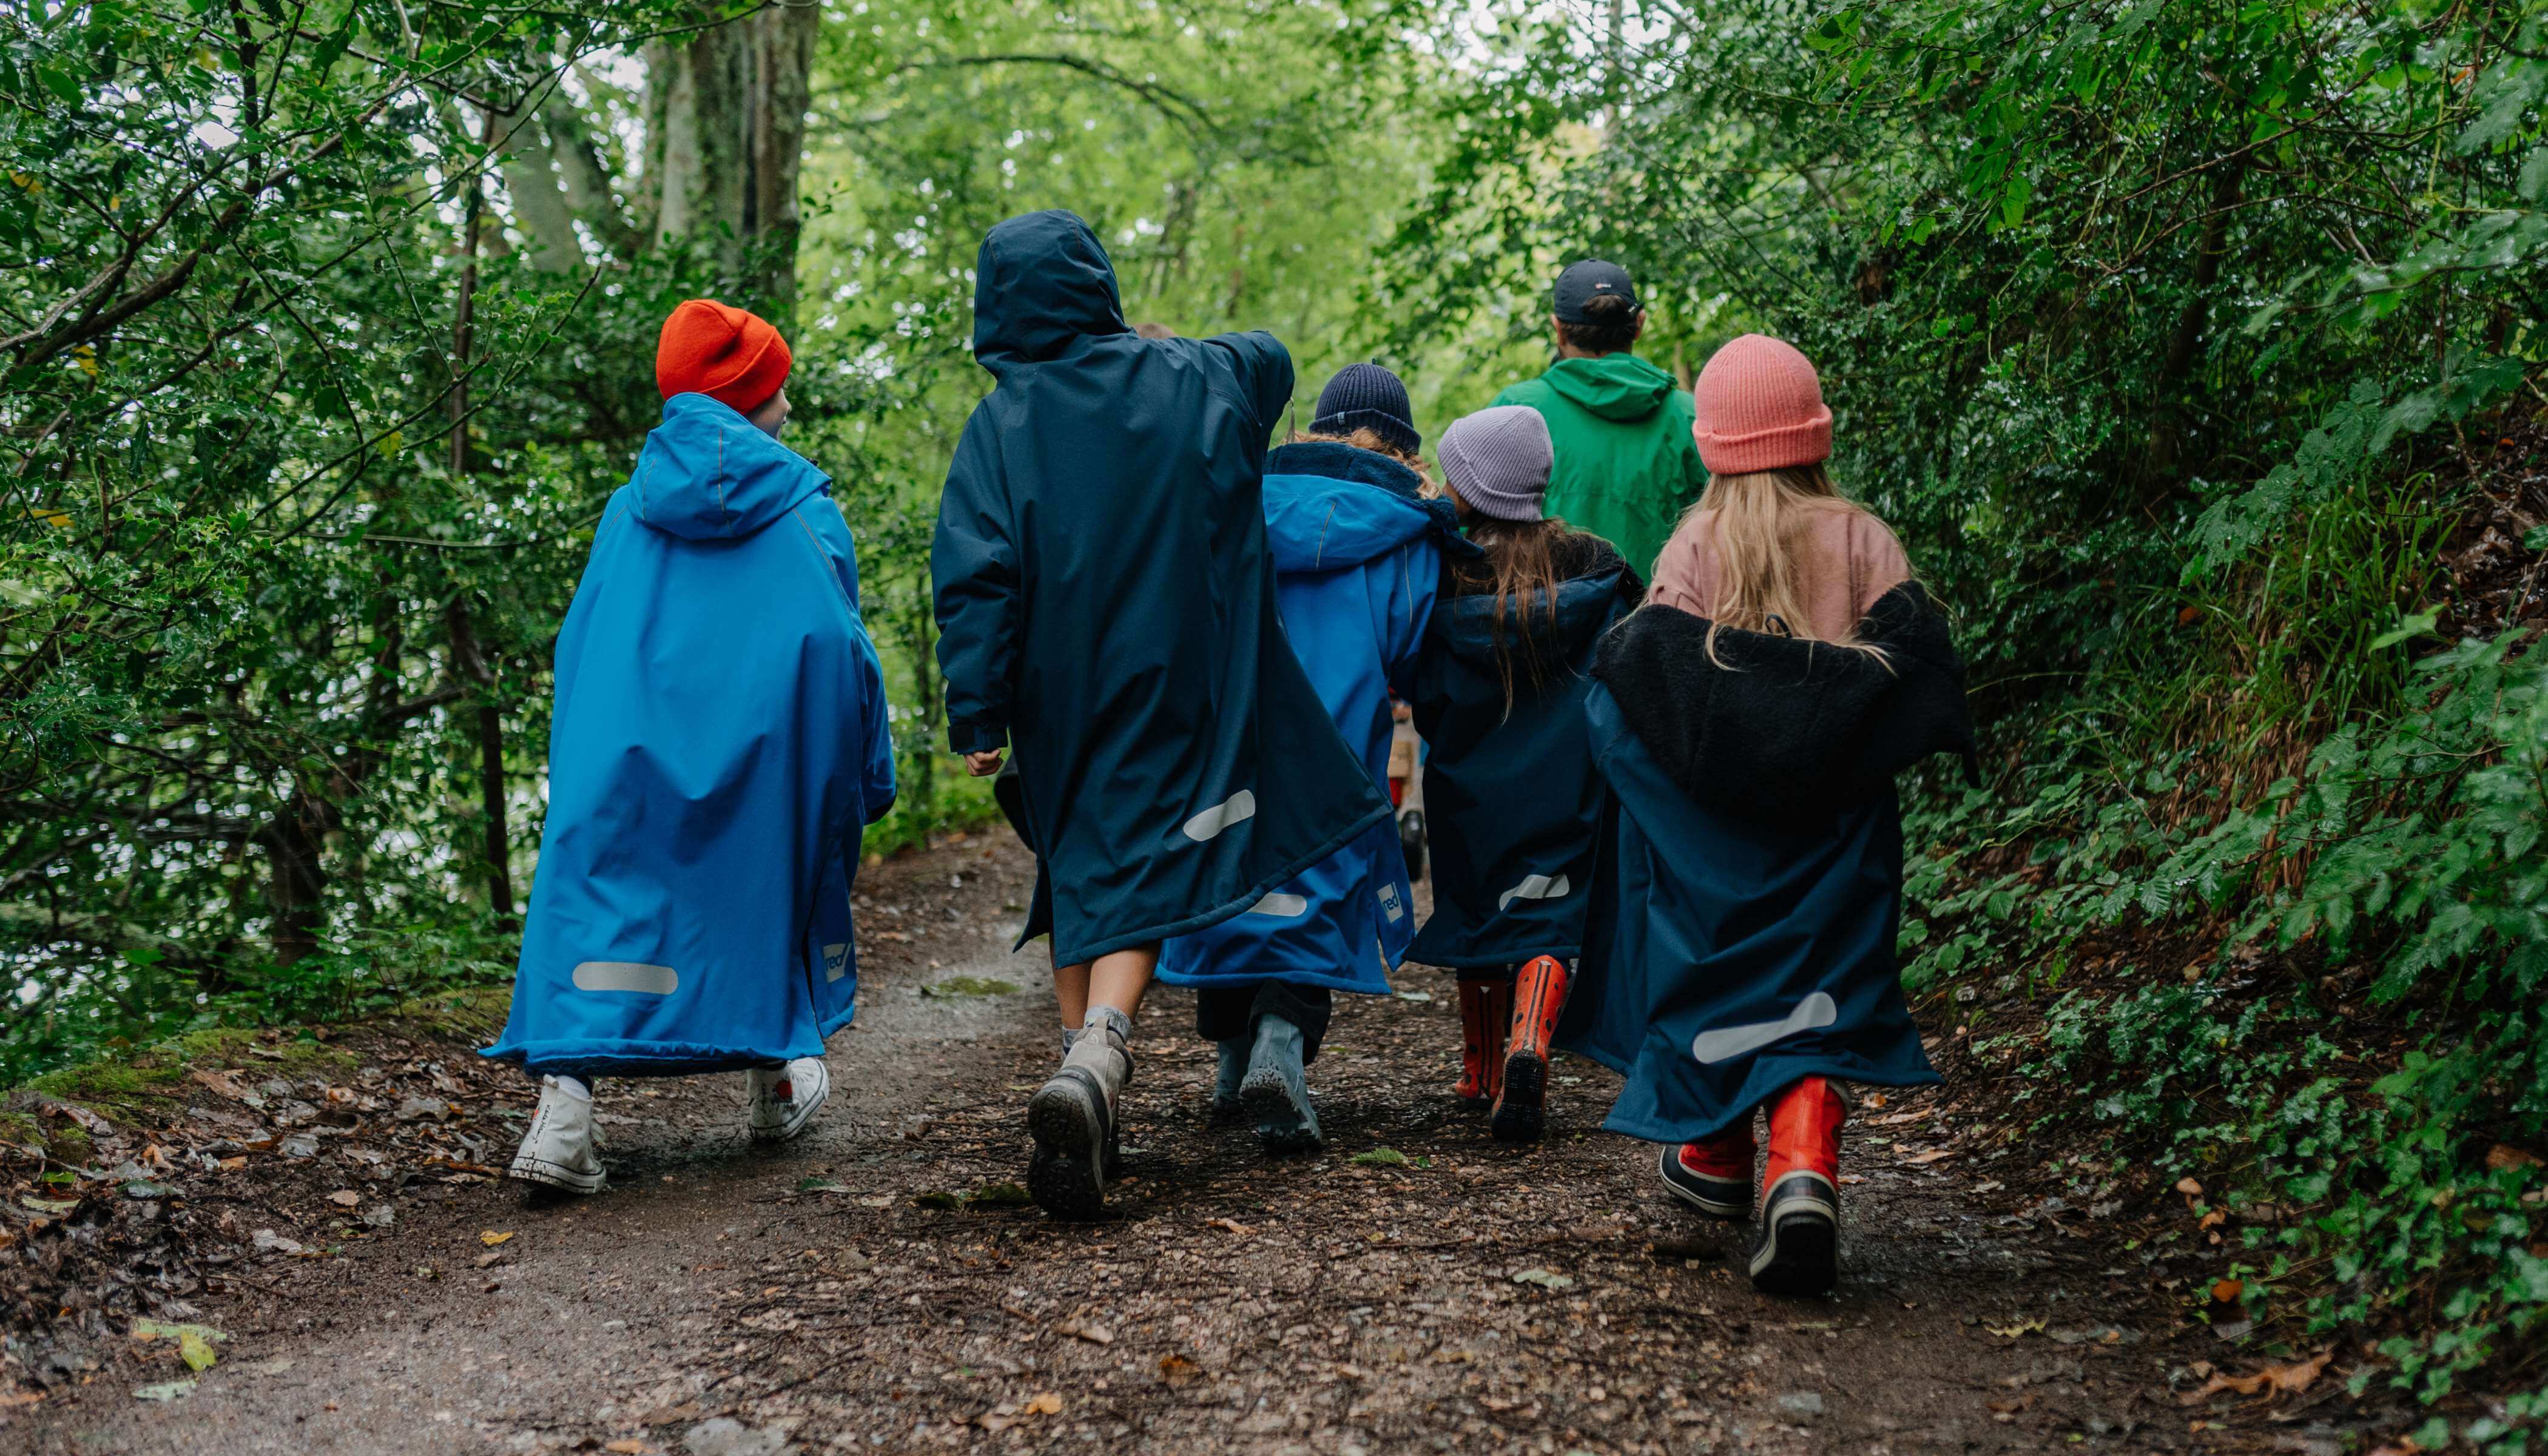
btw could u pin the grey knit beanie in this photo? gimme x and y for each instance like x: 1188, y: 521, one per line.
x: 1498, y: 460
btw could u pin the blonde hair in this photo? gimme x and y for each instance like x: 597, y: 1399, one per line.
x: 1762, y: 523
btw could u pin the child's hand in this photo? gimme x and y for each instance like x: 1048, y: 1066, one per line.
x: 982, y: 766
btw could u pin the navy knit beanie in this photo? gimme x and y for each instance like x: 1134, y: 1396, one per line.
x: 1367, y: 396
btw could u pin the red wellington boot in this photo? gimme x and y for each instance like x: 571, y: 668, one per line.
x: 1797, y: 1247
x: 1521, y: 1101
x: 1714, y: 1174
x: 1484, y: 1009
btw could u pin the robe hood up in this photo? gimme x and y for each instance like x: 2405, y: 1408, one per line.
x: 719, y: 741
x: 1105, y: 599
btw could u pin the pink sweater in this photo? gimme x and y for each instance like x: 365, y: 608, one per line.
x: 1851, y: 559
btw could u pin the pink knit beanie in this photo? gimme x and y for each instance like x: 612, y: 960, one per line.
x: 1759, y: 407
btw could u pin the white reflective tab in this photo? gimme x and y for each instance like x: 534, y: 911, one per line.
x: 1279, y: 903
x: 836, y: 961
x: 1231, y: 810
x: 1535, y: 887
x: 1727, y: 1042
x: 627, y: 976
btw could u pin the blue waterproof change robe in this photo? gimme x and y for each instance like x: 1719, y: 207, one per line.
x: 1357, y: 558
x: 1106, y: 607
x: 719, y: 741
x: 1512, y: 800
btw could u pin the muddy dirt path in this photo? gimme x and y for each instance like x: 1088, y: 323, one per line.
x: 1416, y: 1288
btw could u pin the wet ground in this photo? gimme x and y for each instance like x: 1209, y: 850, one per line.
x: 879, y: 1286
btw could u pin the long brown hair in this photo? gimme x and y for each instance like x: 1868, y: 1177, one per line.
x: 1763, y: 522
x: 1520, y: 569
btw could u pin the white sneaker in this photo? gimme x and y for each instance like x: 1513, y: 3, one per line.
x: 562, y: 1149
x: 786, y: 1098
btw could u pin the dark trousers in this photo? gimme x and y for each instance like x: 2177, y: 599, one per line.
x: 1228, y: 1012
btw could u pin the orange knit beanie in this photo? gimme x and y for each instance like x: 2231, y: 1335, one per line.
x: 1759, y: 407
x: 727, y: 354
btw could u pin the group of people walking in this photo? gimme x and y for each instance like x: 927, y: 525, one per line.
x: 1663, y: 671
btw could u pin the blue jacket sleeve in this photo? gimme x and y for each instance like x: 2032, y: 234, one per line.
x: 1418, y: 585
x: 973, y: 575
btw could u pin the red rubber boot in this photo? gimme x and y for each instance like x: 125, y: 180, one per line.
x: 1797, y: 1247
x: 1521, y: 1101
x: 1480, y: 1040
x: 1714, y: 1174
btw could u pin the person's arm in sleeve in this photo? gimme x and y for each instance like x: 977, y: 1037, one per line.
x: 974, y: 576
x: 874, y: 737
x: 1264, y: 370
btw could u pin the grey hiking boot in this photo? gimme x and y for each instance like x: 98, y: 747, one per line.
x: 1072, y: 1119
x: 561, y: 1150
x: 1226, y: 1106
x: 1276, y: 1090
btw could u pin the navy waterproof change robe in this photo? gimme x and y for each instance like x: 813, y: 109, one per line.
x: 1357, y: 559
x: 1751, y: 878
x: 1106, y: 607
x: 1512, y: 799
x: 719, y: 740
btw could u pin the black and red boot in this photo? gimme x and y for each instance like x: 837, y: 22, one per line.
x: 1797, y: 1249
x: 1486, y: 1010
x: 1521, y: 1101
x: 1714, y: 1174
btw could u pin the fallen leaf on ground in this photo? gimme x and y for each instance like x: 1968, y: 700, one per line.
x: 196, y: 1351
x: 2012, y: 1331
x: 1177, y: 1369
x: 2505, y: 1155
x: 1228, y: 1226
x: 166, y: 1329
x: 1381, y: 1157
x: 490, y: 1237
x: 1544, y: 1279
x: 1922, y: 1159
x: 2273, y: 1379
x: 2229, y: 1289
x: 1046, y: 1404
x: 172, y: 1390
x: 269, y: 1241
x: 344, y: 1198
x: 1095, y: 1334
x: 1002, y: 1196
x: 630, y: 1447
x: 2189, y: 1187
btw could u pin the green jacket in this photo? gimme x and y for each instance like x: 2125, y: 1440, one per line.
x: 1626, y: 465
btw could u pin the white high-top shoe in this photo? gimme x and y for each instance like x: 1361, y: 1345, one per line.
x: 786, y: 1098
x: 562, y: 1149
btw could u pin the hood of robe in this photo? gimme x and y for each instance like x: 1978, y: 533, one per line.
x: 1041, y: 284
x: 706, y: 473
x: 1331, y: 506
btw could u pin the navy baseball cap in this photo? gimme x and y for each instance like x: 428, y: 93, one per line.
x: 1588, y: 280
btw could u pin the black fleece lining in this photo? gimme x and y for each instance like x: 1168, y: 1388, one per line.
x: 1788, y: 727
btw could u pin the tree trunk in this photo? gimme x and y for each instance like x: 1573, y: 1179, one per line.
x: 470, y: 666
x: 727, y: 126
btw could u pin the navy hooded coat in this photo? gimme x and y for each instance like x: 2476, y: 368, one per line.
x: 1357, y: 559
x: 1512, y: 799
x: 718, y: 741
x: 1106, y: 607
x: 1751, y: 883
